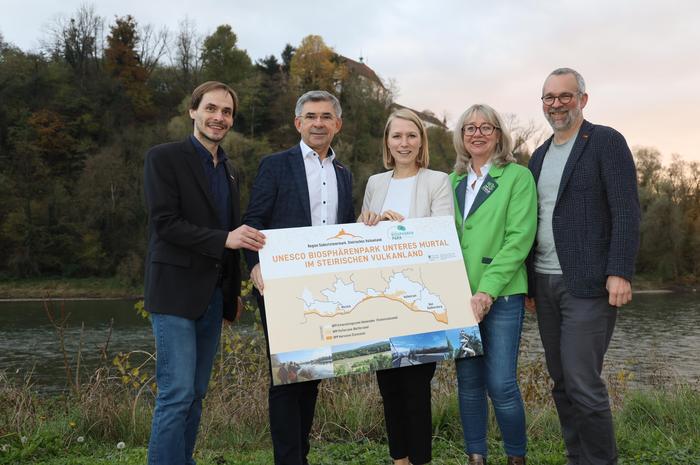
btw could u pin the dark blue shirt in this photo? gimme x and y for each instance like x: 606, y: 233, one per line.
x: 217, y: 178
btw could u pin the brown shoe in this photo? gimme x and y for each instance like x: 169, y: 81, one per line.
x: 476, y: 459
x: 516, y: 460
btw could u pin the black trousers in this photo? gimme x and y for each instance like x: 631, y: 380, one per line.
x: 291, y: 417
x: 407, y: 413
x: 291, y: 408
x: 575, y: 334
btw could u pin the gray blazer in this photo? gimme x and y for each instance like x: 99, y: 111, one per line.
x: 432, y: 195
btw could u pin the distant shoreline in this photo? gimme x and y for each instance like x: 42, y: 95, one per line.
x: 58, y: 299
x: 57, y: 289
x: 140, y: 297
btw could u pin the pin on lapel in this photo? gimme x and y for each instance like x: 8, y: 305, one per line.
x: 488, y: 187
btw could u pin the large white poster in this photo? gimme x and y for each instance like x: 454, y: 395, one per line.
x: 352, y: 298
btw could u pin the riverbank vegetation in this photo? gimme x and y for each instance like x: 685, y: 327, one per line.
x: 41, y: 288
x: 111, y: 406
x: 78, y: 115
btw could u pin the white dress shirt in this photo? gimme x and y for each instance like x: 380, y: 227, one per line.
x: 323, y: 186
x: 474, y: 182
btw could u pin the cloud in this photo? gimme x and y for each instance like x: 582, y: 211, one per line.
x: 640, y: 59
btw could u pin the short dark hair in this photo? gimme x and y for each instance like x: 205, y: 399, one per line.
x: 318, y: 96
x: 208, y: 86
x: 580, y: 83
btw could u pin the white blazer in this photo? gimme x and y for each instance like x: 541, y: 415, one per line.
x: 432, y: 195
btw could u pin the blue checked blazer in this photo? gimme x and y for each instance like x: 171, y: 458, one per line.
x: 596, y: 216
x: 280, y: 195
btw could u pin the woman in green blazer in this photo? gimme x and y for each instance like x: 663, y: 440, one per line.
x: 496, y: 220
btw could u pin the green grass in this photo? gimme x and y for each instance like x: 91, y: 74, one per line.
x: 40, y: 288
x: 658, y: 426
x: 653, y: 428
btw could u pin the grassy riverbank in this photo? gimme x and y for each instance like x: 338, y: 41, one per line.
x: 67, y: 288
x: 657, y: 426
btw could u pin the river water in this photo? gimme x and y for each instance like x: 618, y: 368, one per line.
x: 657, y: 335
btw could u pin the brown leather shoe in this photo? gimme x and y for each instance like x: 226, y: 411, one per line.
x: 476, y: 459
x: 516, y: 460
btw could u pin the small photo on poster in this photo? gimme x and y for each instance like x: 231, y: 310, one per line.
x: 301, y: 365
x: 361, y: 357
x: 465, y: 342
x: 415, y: 349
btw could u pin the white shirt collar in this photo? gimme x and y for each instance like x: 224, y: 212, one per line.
x: 484, y: 170
x: 308, y: 152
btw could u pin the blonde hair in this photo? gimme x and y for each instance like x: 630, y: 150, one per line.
x: 423, y: 157
x: 504, y: 146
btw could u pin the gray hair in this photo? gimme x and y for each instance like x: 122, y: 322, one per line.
x: 318, y: 96
x: 580, y: 83
x: 504, y: 146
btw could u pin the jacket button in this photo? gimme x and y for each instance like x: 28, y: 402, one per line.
x: 469, y: 226
x: 217, y: 265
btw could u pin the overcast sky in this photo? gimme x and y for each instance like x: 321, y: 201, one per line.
x: 640, y: 58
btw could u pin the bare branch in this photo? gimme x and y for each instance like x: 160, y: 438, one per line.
x: 153, y: 45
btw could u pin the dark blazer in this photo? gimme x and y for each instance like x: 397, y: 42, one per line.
x: 280, y: 195
x: 596, y: 216
x: 186, y: 253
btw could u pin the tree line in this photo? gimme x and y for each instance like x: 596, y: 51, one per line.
x: 77, y: 117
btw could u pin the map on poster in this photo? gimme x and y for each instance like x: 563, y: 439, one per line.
x: 351, y: 298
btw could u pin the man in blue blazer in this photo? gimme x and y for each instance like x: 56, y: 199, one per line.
x: 302, y: 186
x: 582, y: 263
x: 192, y: 266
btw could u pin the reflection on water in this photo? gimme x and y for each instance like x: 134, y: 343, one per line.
x: 655, y: 331
x: 656, y: 336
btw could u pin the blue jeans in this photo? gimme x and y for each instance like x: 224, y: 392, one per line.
x: 495, y: 373
x: 186, y: 350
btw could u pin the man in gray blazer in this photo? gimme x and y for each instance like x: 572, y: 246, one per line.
x: 582, y: 262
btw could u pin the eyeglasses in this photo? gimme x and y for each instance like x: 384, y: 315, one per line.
x: 485, y: 129
x: 324, y: 117
x: 563, y: 98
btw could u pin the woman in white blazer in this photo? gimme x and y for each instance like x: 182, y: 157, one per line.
x: 408, y: 190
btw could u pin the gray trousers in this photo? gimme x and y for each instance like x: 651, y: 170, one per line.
x: 575, y: 334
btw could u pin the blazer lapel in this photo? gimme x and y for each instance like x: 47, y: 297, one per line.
x: 460, y: 193
x: 576, y: 152
x: 234, y: 192
x: 344, y: 195
x: 195, y: 164
x: 487, y: 188
x: 538, y: 159
x: 298, y: 172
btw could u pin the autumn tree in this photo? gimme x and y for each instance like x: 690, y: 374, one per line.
x: 123, y: 63
x: 314, y: 66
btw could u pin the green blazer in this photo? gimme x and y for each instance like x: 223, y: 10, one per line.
x: 499, y: 229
